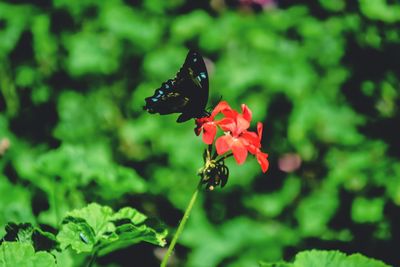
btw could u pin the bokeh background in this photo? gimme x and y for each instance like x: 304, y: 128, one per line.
x: 323, y: 77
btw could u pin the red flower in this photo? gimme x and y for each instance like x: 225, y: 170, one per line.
x: 237, y: 138
x: 208, y: 125
x: 234, y: 125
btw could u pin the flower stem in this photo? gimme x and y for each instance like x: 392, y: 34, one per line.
x: 209, y: 150
x: 181, y: 226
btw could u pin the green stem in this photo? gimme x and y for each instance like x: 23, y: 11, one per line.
x: 181, y: 226
x: 209, y: 150
x: 92, y: 257
x: 55, y: 202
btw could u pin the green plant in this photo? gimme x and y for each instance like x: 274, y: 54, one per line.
x: 88, y: 233
x: 322, y: 76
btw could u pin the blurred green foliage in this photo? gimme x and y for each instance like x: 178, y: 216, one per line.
x: 322, y: 76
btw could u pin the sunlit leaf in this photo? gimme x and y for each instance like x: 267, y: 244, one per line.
x: 100, y: 229
x: 14, y: 254
x: 315, y: 258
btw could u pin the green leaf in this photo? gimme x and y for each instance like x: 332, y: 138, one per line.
x: 273, y: 204
x: 315, y: 211
x: 128, y: 23
x: 321, y: 258
x: 16, y: 17
x: 77, y: 234
x: 96, y: 216
x: 278, y: 264
x: 80, y: 165
x: 380, y: 10
x: 334, y: 5
x: 129, y: 234
x: 14, y: 204
x: 92, y: 53
x: 240, y: 238
x: 18, y: 232
x: 367, y: 210
x: 187, y: 27
x: 26, y: 233
x: 99, y: 228
x: 134, y: 216
x: 317, y: 258
x: 44, y: 44
x: 19, y: 254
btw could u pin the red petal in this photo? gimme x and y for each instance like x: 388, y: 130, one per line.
x: 223, y: 144
x: 259, y: 130
x: 227, y: 124
x: 247, y: 114
x: 251, y: 138
x: 209, y: 132
x: 241, y: 125
x: 230, y: 113
x: 199, y: 124
x: 252, y: 149
x: 239, y: 151
x: 223, y: 105
x: 263, y: 161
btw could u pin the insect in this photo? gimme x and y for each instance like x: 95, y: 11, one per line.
x: 187, y: 93
x: 83, y: 238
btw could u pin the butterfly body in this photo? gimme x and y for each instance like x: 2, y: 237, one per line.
x: 187, y: 93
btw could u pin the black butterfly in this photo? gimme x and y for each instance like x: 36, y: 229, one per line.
x: 187, y: 93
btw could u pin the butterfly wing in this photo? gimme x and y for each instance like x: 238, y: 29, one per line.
x: 166, y: 100
x: 187, y: 93
x: 194, y: 86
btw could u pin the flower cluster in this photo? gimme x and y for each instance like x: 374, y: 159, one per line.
x: 236, y: 136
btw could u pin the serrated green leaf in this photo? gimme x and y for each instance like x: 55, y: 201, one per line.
x: 322, y: 258
x: 97, y: 217
x: 79, y: 235
x: 26, y: 233
x: 129, y: 234
x: 21, y: 232
x: 13, y: 254
x: 99, y: 228
x: 315, y: 258
x: 278, y: 264
x: 133, y: 215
